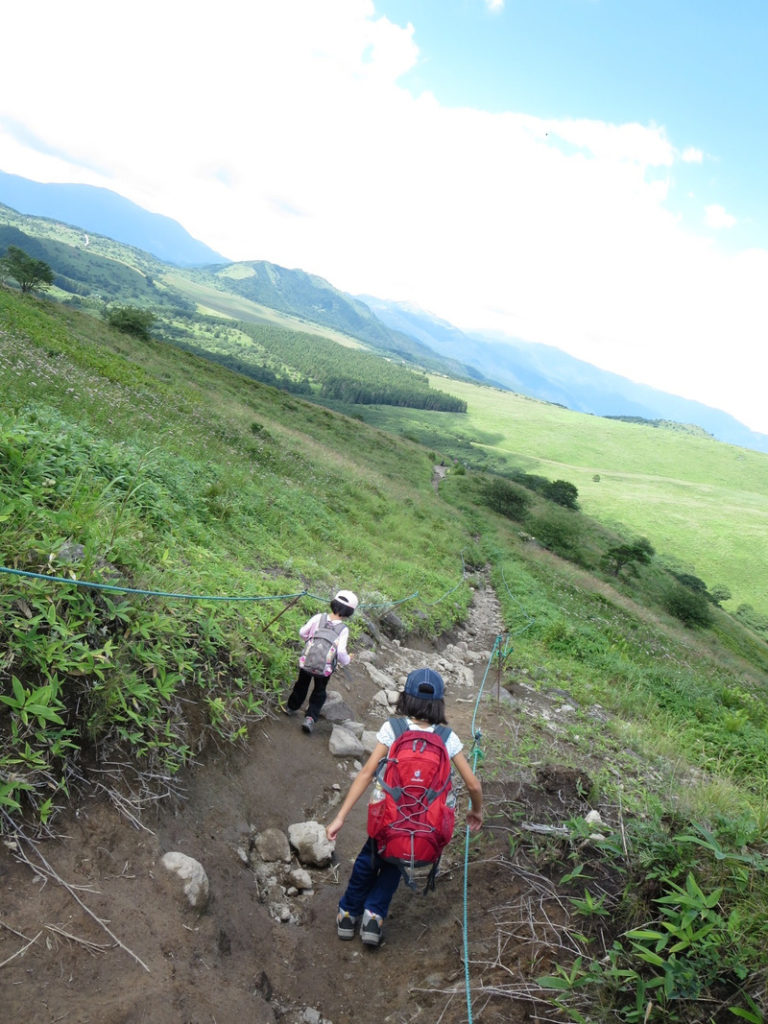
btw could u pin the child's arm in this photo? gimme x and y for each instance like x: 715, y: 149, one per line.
x: 341, y: 647
x: 475, y: 790
x: 309, y: 627
x: 356, y: 790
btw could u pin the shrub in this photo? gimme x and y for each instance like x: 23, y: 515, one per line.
x: 559, y: 531
x: 131, y: 320
x: 689, y: 606
x: 505, y: 498
x: 628, y: 556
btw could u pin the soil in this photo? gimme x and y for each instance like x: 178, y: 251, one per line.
x: 94, y: 934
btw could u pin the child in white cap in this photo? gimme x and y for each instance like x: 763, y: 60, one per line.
x: 343, y: 604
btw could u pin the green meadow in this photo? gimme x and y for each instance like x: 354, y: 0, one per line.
x: 702, y: 504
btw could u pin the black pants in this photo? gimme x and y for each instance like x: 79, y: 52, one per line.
x: 299, y: 693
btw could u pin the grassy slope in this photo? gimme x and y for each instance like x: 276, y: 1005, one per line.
x: 180, y: 476
x: 700, y: 502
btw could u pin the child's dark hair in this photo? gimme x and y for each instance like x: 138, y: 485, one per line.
x: 432, y: 711
x: 341, y: 609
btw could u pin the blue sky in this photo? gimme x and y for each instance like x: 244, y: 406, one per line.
x: 588, y: 174
x: 697, y: 67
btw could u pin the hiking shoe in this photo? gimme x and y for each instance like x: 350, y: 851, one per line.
x: 371, y: 928
x: 345, y: 925
x: 308, y: 724
x: 288, y: 711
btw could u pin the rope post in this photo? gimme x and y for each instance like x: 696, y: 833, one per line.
x: 282, y: 612
x: 498, y: 675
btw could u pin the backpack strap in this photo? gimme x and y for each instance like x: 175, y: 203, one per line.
x: 444, y: 732
x: 399, y: 726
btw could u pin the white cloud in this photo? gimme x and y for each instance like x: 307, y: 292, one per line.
x: 691, y: 155
x: 282, y: 132
x: 717, y: 217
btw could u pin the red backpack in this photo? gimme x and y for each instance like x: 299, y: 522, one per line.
x: 412, y: 810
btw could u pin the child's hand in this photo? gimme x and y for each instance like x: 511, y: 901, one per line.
x: 474, y: 820
x: 334, y: 828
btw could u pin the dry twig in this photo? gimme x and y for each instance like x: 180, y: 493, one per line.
x: 48, y: 872
x: 22, y: 951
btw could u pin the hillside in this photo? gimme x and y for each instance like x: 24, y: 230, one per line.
x: 654, y: 478
x: 216, y: 513
x: 701, y: 503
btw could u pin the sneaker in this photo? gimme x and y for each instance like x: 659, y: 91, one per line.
x: 345, y: 925
x: 308, y: 724
x: 371, y: 928
x: 288, y: 711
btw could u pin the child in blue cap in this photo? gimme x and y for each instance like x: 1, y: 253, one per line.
x: 373, y: 882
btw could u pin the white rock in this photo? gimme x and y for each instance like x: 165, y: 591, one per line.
x: 381, y: 679
x: 369, y: 741
x: 300, y: 879
x: 311, y: 844
x: 191, y: 876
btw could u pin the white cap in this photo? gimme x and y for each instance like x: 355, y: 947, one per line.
x: 346, y: 597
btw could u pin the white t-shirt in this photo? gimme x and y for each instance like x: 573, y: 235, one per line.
x: 386, y: 735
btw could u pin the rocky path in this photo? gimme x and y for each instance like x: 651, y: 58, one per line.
x: 263, y: 950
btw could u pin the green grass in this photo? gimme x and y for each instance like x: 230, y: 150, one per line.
x: 701, y: 503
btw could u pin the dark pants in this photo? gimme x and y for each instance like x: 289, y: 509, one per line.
x: 299, y: 693
x: 372, y: 884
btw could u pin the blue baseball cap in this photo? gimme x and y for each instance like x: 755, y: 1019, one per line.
x: 425, y: 683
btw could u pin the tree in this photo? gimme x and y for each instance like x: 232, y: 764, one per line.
x: 131, y: 320
x: 562, y: 493
x: 719, y: 593
x: 628, y: 556
x: 25, y: 270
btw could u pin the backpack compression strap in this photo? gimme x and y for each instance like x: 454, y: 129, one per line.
x: 399, y: 728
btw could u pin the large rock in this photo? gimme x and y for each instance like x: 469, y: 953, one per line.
x: 344, y: 743
x: 272, y: 845
x: 336, y: 709
x: 382, y: 679
x: 311, y: 844
x: 392, y: 626
x: 369, y: 741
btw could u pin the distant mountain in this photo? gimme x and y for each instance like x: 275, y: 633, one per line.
x: 547, y: 373
x: 95, y: 267
x: 106, y: 213
x: 314, y: 300
x: 395, y: 330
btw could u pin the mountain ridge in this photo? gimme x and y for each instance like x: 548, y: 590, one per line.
x: 392, y: 329
x: 105, y: 212
x: 547, y: 373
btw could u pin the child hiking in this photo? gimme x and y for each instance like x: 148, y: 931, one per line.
x: 410, y: 823
x: 326, y: 638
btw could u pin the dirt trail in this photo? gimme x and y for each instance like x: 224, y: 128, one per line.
x: 236, y: 962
